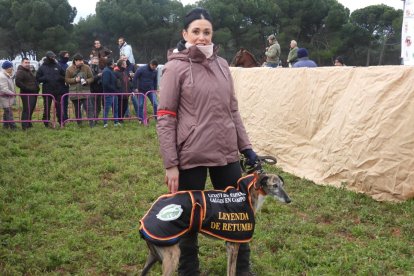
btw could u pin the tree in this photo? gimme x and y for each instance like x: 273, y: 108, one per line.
x: 151, y: 27
x: 37, y: 25
x: 378, y: 22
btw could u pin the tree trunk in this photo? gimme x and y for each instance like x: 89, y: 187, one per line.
x: 368, y: 56
x: 384, y: 42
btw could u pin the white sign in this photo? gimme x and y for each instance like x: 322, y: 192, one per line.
x: 407, y: 34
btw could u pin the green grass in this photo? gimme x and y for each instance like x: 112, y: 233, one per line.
x: 71, y: 199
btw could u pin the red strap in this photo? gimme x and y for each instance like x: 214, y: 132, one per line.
x: 166, y: 112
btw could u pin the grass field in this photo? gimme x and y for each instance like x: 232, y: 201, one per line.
x: 71, y: 200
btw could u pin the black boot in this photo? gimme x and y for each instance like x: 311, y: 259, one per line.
x: 189, y: 264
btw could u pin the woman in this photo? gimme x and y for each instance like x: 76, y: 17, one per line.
x: 199, y: 125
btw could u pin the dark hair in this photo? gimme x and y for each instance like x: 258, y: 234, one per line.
x: 154, y: 62
x: 25, y: 58
x: 195, y: 14
x: 109, y: 62
x: 63, y: 53
x: 340, y: 60
x: 77, y: 56
x: 119, y: 63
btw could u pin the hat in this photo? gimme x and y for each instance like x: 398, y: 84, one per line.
x: 195, y: 14
x: 302, y: 52
x: 271, y: 37
x: 50, y: 54
x: 6, y: 65
x: 77, y: 56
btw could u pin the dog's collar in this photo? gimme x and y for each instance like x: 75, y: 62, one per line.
x: 256, y: 184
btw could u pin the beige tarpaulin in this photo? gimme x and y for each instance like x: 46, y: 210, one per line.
x: 335, y: 125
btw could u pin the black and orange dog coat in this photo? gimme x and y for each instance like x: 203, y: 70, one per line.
x: 227, y: 215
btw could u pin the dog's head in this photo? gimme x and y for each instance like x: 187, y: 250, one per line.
x: 272, y: 185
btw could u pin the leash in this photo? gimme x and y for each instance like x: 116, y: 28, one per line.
x: 257, y: 167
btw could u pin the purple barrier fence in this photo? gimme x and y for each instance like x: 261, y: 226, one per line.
x: 148, y: 94
x: 26, y: 110
x: 95, y: 104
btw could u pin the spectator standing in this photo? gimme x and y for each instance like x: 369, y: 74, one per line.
x: 145, y: 79
x: 79, y: 77
x: 95, y: 102
x: 99, y: 51
x: 52, y: 76
x: 272, y: 52
x: 199, y: 126
x: 125, y: 50
x: 109, y: 85
x: 123, y: 84
x: 28, y: 84
x: 130, y: 67
x: 7, y: 94
x: 63, y: 62
x: 293, y: 53
x: 303, y: 59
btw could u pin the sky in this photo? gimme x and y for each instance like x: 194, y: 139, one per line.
x: 86, y: 7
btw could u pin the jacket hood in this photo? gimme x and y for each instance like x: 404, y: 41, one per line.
x: 192, y: 53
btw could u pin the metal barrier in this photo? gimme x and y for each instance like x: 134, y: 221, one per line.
x: 94, y: 107
x: 152, y: 95
x: 85, y: 107
x: 26, y: 110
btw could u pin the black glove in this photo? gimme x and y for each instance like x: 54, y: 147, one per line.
x: 251, y: 157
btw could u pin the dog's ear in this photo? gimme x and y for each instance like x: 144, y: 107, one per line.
x: 263, y: 179
x: 281, y: 178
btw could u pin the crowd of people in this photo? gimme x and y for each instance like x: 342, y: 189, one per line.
x: 92, y: 86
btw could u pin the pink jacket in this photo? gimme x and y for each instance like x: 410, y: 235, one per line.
x: 198, y: 119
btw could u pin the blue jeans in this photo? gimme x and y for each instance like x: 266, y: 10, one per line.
x: 111, y: 102
x: 139, y: 104
x: 8, y: 116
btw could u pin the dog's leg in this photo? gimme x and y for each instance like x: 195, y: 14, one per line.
x: 232, y: 252
x: 170, y: 256
x: 151, y: 259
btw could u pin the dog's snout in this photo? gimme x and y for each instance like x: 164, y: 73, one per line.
x: 288, y: 200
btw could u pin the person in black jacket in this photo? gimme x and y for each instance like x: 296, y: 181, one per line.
x: 28, y: 84
x: 124, y: 85
x: 63, y: 62
x: 146, y: 79
x: 52, y: 76
x: 109, y: 87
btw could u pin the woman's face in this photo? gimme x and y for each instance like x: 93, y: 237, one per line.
x: 199, y: 32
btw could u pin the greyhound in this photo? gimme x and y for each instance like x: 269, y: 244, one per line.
x: 255, y: 187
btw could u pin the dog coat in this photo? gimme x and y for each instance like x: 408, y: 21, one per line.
x: 227, y: 215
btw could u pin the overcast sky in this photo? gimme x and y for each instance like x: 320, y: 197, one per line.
x: 86, y: 7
